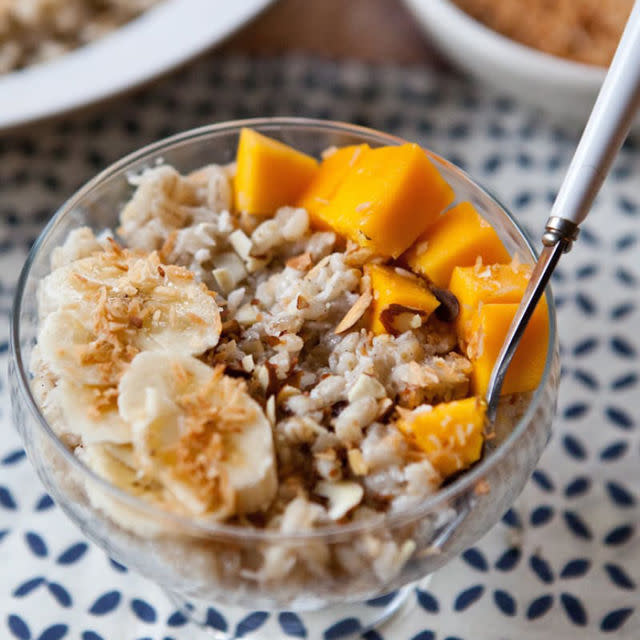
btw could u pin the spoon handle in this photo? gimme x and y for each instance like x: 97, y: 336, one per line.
x: 608, y: 125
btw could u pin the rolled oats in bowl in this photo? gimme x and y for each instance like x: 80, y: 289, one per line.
x: 264, y: 378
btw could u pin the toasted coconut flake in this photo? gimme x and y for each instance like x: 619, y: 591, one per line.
x: 482, y: 488
x: 355, y: 313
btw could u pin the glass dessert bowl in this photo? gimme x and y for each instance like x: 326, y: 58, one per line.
x: 358, y: 569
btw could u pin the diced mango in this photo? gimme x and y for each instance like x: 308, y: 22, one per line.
x: 457, y: 239
x: 489, y: 330
x: 391, y: 197
x: 451, y: 433
x: 406, y: 291
x: 482, y: 284
x: 333, y: 170
x: 269, y: 174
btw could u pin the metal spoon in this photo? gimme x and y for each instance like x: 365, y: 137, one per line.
x: 608, y: 126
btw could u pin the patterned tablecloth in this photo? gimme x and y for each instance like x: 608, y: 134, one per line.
x: 565, y: 561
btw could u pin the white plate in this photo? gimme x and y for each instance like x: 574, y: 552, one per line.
x: 158, y: 40
x: 565, y: 89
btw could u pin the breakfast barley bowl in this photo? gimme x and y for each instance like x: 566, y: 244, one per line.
x: 274, y: 365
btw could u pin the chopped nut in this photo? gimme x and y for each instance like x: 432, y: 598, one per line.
x: 342, y: 497
x: 366, y: 386
x: 248, y: 364
x: 224, y: 279
x: 355, y: 313
x: 301, y: 262
x: 287, y: 392
x: 229, y: 271
x: 357, y: 463
x: 397, y: 319
x: 254, y: 264
x: 247, y: 314
x: 241, y: 243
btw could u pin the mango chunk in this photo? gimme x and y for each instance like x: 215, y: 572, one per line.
x: 489, y: 329
x: 400, y: 300
x: 481, y: 284
x: 388, y: 199
x: 458, y: 238
x: 450, y: 433
x: 269, y: 174
x: 333, y: 170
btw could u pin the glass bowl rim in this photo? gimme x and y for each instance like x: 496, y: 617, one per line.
x: 211, y: 528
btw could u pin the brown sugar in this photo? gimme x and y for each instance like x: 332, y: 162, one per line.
x: 586, y: 31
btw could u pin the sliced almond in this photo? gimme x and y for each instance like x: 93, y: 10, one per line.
x: 342, y: 497
x: 357, y: 463
x: 317, y: 267
x: 301, y: 262
x: 359, y: 256
x: 271, y: 409
x: 355, y: 313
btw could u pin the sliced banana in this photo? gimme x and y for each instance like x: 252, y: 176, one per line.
x: 103, y: 309
x: 78, y: 282
x: 200, y: 433
x: 91, y: 413
x: 111, y: 462
x: 73, y: 352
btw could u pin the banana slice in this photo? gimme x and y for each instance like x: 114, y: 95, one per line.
x: 72, y: 351
x: 78, y: 282
x: 101, y: 310
x: 91, y: 413
x: 199, y: 433
x: 113, y: 463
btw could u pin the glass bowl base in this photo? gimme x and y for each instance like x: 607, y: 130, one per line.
x: 343, y: 622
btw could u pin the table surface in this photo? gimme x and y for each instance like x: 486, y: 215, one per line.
x: 333, y: 29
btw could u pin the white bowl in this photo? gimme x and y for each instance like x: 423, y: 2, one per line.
x: 564, y: 89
